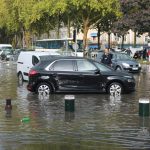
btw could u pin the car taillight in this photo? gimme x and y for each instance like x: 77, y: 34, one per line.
x: 32, y: 72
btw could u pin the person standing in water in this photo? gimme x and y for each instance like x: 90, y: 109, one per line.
x: 106, y: 57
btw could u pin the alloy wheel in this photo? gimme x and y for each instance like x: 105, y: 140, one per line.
x: 115, y: 88
x: 20, y: 79
x: 44, y: 89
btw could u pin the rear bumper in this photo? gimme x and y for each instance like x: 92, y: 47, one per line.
x: 30, y: 88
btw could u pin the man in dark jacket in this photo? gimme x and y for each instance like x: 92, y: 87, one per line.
x: 106, y: 57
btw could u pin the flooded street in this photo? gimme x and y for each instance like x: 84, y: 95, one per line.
x: 99, y: 122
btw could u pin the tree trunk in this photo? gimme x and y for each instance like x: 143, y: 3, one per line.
x: 85, y: 31
x: 23, y: 39
x: 58, y: 27
x: 98, y: 37
x: 28, y: 39
x: 134, y: 39
x: 68, y: 26
x: 48, y: 34
x: 122, y: 42
x: 109, y: 39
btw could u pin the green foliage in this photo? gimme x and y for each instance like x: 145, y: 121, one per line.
x: 40, y: 16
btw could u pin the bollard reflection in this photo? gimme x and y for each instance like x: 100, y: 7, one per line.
x: 8, y: 113
x: 69, y: 116
x: 144, y: 126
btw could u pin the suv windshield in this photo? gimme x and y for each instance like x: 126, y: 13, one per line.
x: 123, y: 57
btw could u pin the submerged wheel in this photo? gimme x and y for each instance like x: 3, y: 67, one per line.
x: 20, y: 78
x: 115, y: 88
x: 118, y: 68
x: 44, y: 88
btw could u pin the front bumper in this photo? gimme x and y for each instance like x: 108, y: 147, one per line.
x: 129, y: 86
x: 30, y: 88
x: 133, y: 69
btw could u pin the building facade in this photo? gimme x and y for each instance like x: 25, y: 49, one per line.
x: 92, y: 37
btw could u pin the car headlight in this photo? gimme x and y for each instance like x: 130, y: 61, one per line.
x: 125, y: 65
x: 130, y: 78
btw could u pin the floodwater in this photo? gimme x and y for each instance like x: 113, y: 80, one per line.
x: 99, y: 122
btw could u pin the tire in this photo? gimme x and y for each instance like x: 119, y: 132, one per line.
x: 118, y: 68
x: 20, y: 78
x: 115, y: 88
x: 44, y: 89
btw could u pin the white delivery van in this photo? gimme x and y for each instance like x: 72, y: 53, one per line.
x: 26, y: 60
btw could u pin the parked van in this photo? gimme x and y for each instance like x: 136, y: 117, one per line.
x: 26, y: 60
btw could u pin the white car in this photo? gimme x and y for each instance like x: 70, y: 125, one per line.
x: 26, y: 60
x: 5, y: 48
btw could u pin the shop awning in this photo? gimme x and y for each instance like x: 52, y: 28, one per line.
x: 93, y: 34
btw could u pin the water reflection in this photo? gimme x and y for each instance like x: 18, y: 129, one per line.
x: 8, y: 113
x: 100, y: 121
x: 69, y: 116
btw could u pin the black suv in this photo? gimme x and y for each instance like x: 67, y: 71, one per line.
x: 74, y: 74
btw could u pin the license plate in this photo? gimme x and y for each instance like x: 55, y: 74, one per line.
x: 134, y: 68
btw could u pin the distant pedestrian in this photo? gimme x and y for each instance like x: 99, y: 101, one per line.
x: 128, y: 51
x: 107, y: 57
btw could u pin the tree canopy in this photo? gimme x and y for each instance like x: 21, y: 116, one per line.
x: 22, y: 18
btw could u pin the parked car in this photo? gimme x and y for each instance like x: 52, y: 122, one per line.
x: 75, y: 74
x: 6, y: 54
x: 6, y: 51
x: 122, y: 61
x: 26, y: 60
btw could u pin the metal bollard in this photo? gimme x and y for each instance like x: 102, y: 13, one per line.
x: 144, y: 107
x: 8, y: 104
x: 69, y: 103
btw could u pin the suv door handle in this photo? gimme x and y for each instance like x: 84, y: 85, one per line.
x: 54, y: 74
x: 81, y: 75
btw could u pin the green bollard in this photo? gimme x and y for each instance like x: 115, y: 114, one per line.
x: 69, y: 103
x: 144, y: 107
x: 8, y: 104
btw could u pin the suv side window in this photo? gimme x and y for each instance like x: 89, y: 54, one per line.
x: 35, y: 60
x: 102, y: 68
x: 63, y: 65
x: 85, y: 65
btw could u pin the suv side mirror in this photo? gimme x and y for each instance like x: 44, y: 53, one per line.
x: 97, y: 71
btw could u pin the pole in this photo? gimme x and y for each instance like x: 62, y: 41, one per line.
x: 76, y: 43
x: 66, y: 46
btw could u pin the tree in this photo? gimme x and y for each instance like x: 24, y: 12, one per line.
x: 106, y: 21
x: 88, y: 12
x: 136, y: 16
